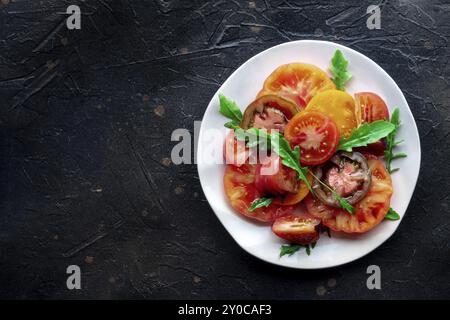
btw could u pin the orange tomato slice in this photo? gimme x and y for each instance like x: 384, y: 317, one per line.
x: 294, y: 198
x: 298, y: 82
x: 239, y: 185
x: 339, y: 106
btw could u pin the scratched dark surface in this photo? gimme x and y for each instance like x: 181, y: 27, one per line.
x: 85, y: 123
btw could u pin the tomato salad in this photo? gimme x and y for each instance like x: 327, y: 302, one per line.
x: 327, y: 155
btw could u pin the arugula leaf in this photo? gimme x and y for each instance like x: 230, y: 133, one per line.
x: 365, y: 134
x: 289, y: 249
x: 308, y: 249
x: 253, y: 136
x: 259, y: 203
x: 232, y: 125
x: 395, y: 117
x: 399, y: 155
x: 323, y: 229
x: 339, y: 70
x: 392, y: 215
x: 229, y: 109
x: 290, y: 158
x: 342, y: 202
x: 391, y: 143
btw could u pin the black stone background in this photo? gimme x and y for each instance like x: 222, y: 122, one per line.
x: 86, y: 118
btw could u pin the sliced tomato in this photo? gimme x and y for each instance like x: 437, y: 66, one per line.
x: 298, y: 82
x: 273, y: 178
x: 316, y: 135
x: 339, y: 106
x: 235, y: 152
x: 371, y: 107
x: 239, y: 184
x: 268, y: 112
x: 369, y: 156
x: 317, y: 209
x: 297, y: 229
x: 369, y: 212
x: 294, y: 198
x: 374, y: 149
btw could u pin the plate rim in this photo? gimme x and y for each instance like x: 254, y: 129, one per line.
x: 402, y: 97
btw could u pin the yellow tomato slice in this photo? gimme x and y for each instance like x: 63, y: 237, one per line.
x: 339, y: 106
x: 298, y: 82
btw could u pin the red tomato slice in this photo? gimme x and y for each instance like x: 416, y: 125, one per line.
x: 297, y: 229
x: 369, y: 212
x: 316, y: 135
x: 374, y: 149
x: 317, y: 209
x: 273, y: 178
x: 371, y: 106
x: 234, y: 151
x: 239, y: 184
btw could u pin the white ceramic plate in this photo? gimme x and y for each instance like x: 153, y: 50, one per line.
x: 243, y: 86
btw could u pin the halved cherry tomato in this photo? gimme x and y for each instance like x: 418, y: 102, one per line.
x: 298, y: 82
x: 235, y: 152
x: 297, y: 229
x: 339, y: 106
x: 273, y: 178
x: 371, y: 106
x: 239, y: 184
x: 268, y: 112
x: 316, y: 135
x: 294, y: 198
x: 369, y: 212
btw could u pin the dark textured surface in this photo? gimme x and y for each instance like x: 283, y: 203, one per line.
x: 85, y: 124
